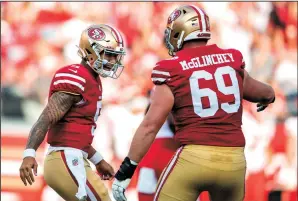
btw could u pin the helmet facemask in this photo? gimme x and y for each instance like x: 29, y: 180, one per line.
x: 100, y: 64
x: 171, y: 47
x: 167, y: 42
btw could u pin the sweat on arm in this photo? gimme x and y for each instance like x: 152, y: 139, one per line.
x: 58, y: 105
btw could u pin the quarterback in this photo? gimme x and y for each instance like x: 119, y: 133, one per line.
x: 70, y: 117
x: 203, y: 86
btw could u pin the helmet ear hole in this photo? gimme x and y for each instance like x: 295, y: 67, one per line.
x: 88, y: 51
x: 176, y: 35
x: 184, y: 11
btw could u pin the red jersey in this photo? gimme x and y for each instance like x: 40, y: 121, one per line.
x: 207, y: 84
x: 76, y: 128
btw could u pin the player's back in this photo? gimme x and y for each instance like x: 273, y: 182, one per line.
x: 207, y: 86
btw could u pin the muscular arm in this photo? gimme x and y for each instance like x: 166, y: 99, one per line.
x: 161, y: 105
x: 255, y: 91
x: 170, y: 120
x: 56, y: 108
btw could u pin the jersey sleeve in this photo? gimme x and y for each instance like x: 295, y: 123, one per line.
x: 160, y: 74
x: 69, y: 81
x: 242, y: 65
x: 240, y: 59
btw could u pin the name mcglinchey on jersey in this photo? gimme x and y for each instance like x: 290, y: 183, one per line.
x: 206, y: 60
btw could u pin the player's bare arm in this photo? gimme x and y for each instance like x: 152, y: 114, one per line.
x: 257, y: 92
x: 170, y: 120
x: 91, y: 152
x: 161, y: 105
x: 57, y: 107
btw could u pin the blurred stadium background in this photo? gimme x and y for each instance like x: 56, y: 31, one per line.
x: 39, y: 37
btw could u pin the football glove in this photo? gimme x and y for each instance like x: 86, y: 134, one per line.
x: 122, y: 179
x: 263, y: 106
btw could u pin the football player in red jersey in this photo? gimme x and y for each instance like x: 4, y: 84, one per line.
x: 70, y: 117
x: 203, y: 86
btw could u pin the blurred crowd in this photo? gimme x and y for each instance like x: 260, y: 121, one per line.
x: 37, y: 38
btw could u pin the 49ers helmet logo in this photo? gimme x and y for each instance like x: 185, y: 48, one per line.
x: 96, y: 34
x: 174, y: 16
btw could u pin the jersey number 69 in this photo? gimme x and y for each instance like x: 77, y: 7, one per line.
x: 197, y: 93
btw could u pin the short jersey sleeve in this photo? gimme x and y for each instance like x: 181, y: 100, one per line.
x: 242, y: 62
x: 240, y: 59
x: 68, y: 80
x: 160, y: 74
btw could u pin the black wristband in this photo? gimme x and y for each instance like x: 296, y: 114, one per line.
x: 126, y: 170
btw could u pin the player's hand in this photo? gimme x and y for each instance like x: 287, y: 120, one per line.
x: 105, y: 170
x: 122, y: 179
x: 119, y: 188
x: 26, y: 175
x: 261, y: 107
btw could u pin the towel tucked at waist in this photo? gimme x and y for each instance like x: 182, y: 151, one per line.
x: 75, y: 162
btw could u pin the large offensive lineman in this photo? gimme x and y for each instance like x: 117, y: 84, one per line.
x: 70, y: 117
x: 203, y: 86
